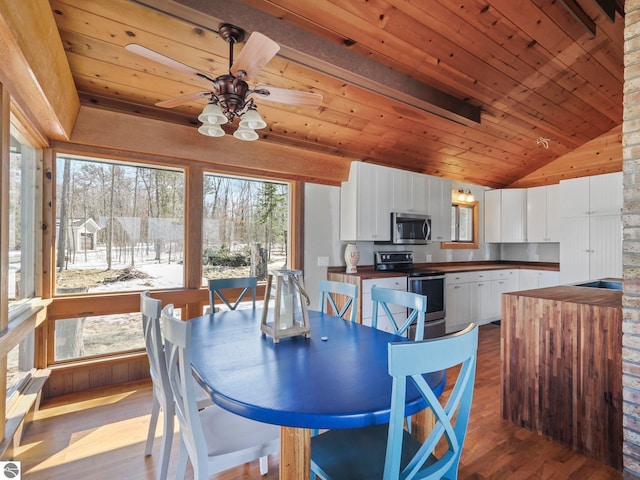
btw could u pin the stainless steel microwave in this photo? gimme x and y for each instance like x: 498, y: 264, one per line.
x: 410, y: 228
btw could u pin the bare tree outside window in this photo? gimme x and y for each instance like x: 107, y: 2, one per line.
x: 245, y: 226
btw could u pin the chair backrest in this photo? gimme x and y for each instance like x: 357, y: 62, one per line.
x: 217, y: 285
x: 178, y: 360
x: 416, y: 303
x: 150, y: 309
x: 328, y: 289
x: 411, y: 360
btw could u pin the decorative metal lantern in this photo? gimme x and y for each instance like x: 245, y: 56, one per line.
x: 285, y: 306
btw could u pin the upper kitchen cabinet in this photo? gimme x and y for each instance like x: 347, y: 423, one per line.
x: 543, y: 214
x: 440, y: 208
x: 505, y: 215
x: 597, y: 195
x: 410, y: 192
x: 591, y: 228
x: 365, y: 201
x: 373, y: 192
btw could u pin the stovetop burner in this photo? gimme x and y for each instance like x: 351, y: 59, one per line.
x: 400, y: 262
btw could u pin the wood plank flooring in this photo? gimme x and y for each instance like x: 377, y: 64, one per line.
x: 101, y: 435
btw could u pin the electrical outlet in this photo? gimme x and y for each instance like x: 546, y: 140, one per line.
x: 429, y: 257
x: 323, y: 261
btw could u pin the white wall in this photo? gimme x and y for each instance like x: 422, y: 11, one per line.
x: 321, y: 235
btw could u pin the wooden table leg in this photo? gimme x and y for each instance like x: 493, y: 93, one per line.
x: 295, y: 453
x: 422, y: 423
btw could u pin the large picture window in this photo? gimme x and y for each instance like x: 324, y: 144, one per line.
x: 245, y: 227
x: 119, y: 227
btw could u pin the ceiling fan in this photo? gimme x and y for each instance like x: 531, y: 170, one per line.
x: 231, y: 96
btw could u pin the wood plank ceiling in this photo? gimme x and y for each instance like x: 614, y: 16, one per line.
x: 534, y: 71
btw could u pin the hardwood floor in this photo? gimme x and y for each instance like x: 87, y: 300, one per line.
x: 101, y: 435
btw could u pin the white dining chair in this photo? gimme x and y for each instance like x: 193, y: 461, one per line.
x: 213, y: 439
x: 162, y: 396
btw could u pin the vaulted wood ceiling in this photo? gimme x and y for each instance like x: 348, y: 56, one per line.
x: 548, y: 90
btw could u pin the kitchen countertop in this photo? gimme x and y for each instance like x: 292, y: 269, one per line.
x: 367, y: 271
x: 601, y: 297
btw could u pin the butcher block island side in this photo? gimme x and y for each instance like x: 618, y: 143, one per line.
x: 561, y: 350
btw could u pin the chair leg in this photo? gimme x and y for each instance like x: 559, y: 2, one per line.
x: 264, y: 465
x: 167, y: 440
x: 181, y: 466
x: 155, y: 412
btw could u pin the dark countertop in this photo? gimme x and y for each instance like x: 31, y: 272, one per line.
x: 366, y: 271
x: 601, y: 297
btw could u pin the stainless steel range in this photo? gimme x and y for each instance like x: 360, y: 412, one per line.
x: 425, y: 281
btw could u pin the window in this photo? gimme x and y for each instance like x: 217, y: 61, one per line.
x: 464, y: 225
x: 245, y: 227
x: 22, y: 221
x: 119, y: 227
x: 77, y: 338
x: 23, y: 248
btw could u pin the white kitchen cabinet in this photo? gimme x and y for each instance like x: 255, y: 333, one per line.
x: 532, y: 279
x: 492, y: 214
x: 505, y: 215
x: 365, y: 203
x: 399, y: 312
x: 596, y: 195
x: 457, y: 301
x: 482, y: 303
x: 543, y: 214
x: 410, y: 192
x: 591, y: 228
x: 476, y: 296
x: 440, y: 208
x: 503, y: 281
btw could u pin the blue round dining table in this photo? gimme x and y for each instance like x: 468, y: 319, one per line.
x: 337, y: 378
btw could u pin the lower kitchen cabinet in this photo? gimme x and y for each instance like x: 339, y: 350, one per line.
x: 400, y: 313
x: 476, y: 296
x: 532, y: 279
x: 457, y: 301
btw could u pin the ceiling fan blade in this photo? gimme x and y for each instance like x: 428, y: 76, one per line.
x: 164, y: 60
x: 292, y: 97
x: 255, y: 54
x: 190, y: 97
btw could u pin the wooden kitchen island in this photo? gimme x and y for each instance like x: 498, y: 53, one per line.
x: 561, y: 350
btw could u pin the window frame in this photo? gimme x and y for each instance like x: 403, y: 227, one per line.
x: 193, y: 296
x: 457, y: 244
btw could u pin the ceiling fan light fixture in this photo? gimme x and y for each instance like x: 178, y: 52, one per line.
x: 246, y: 134
x: 211, y: 130
x: 212, y: 115
x: 253, y: 120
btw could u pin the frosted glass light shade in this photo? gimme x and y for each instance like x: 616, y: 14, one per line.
x: 252, y: 119
x: 211, y: 130
x: 212, y: 114
x: 246, y: 134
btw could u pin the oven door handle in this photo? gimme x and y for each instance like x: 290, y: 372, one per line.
x: 428, y: 277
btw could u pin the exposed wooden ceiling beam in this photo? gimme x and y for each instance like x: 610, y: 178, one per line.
x: 609, y: 8
x: 580, y: 15
x: 35, y: 68
x: 321, y: 55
